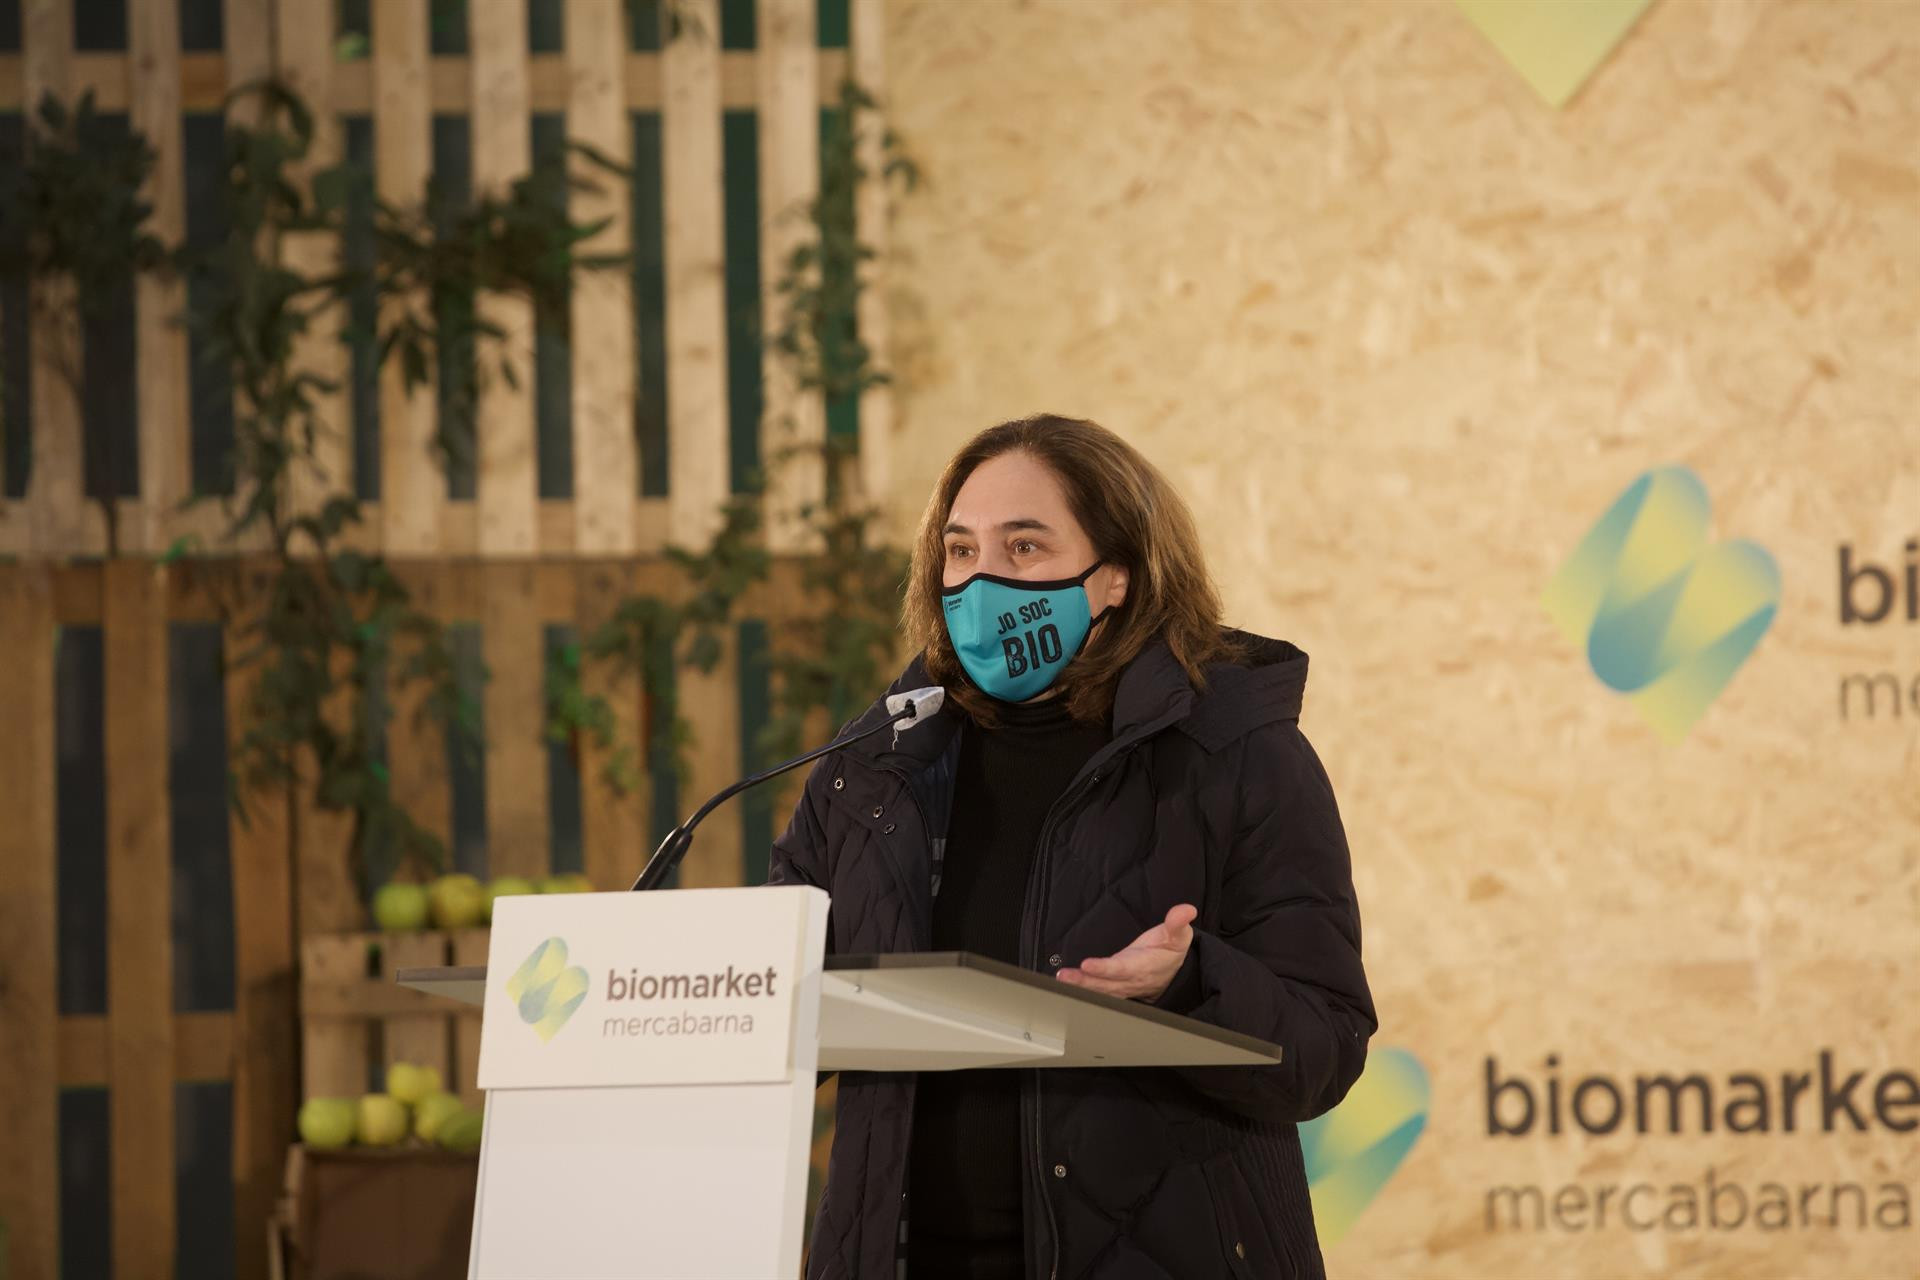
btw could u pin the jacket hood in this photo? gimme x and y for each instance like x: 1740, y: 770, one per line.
x: 1265, y: 683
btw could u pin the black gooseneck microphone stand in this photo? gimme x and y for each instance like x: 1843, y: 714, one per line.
x: 680, y: 839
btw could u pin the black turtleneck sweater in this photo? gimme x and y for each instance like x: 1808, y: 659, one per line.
x: 964, y: 1176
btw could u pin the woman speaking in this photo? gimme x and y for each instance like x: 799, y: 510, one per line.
x: 1116, y: 793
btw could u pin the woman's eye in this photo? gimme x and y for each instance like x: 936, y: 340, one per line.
x: 958, y: 552
x: 1025, y: 547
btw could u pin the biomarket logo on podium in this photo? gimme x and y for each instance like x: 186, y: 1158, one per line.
x: 1665, y: 615
x: 546, y: 989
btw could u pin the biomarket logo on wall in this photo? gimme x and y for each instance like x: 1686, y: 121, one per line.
x: 546, y: 989
x: 1352, y: 1150
x: 1666, y: 617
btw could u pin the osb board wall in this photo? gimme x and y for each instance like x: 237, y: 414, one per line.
x: 1401, y: 332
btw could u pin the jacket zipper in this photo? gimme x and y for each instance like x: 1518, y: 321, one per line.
x: 1030, y: 939
x: 1030, y: 956
x: 900, y: 1222
x: 1101, y: 764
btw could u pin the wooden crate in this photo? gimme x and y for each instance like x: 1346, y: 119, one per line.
x: 355, y: 1020
x: 405, y: 1213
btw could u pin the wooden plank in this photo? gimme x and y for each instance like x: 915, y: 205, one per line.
x: 333, y: 1050
x: 368, y: 1000
x: 793, y: 425
x: 29, y: 964
x: 554, y: 588
x: 417, y: 744
x: 105, y: 76
x: 613, y: 822
x: 248, y: 32
x: 710, y: 702
x: 60, y: 521
x: 160, y: 342
x: 203, y: 1049
x: 139, y: 916
x: 76, y: 594
x: 203, y: 76
x: 695, y: 276
x: 556, y: 525
x: 412, y: 489
x: 424, y: 1038
x: 508, y: 481
x: 869, y: 71
x: 548, y: 74
x: 469, y: 947
x: 325, y: 896
x: 450, y: 83
x: 605, y: 465
x: 266, y: 1020
x: 513, y: 634
x: 304, y: 59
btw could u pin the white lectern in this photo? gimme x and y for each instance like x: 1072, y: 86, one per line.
x: 649, y: 1061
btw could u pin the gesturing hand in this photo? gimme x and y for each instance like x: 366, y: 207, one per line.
x: 1144, y: 968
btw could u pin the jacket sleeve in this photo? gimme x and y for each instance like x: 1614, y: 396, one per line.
x: 799, y: 854
x: 1282, y: 961
x: 799, y: 857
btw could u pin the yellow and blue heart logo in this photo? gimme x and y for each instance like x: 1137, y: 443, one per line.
x: 546, y: 989
x: 1665, y: 617
x: 1355, y: 1148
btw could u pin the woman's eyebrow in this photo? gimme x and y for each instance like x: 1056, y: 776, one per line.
x: 1006, y: 526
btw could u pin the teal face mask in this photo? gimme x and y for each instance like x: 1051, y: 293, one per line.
x: 1014, y: 638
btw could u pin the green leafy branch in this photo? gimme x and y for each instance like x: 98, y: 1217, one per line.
x: 844, y: 646
x: 339, y: 635
x: 71, y: 211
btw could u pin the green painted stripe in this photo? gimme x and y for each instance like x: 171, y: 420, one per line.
x: 644, y: 20
x: 363, y: 309
x: 450, y: 192
x: 353, y: 26
x: 466, y: 753
x: 564, y: 824
x: 203, y: 137
x: 552, y: 350
x: 100, y: 26
x: 737, y: 24
x: 202, y: 26
x: 663, y: 779
x: 109, y: 405
x: 842, y: 336
x: 86, y: 1183
x: 546, y: 26
x: 835, y: 23
x: 16, y: 402
x: 203, y: 1180
x: 447, y: 27
x: 649, y: 305
x: 745, y: 394
x: 756, y: 709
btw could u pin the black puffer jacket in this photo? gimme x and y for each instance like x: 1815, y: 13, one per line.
x: 1212, y: 798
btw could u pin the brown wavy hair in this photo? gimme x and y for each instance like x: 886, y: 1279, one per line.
x: 1136, y: 520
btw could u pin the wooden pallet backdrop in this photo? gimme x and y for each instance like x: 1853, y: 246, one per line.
x: 506, y: 560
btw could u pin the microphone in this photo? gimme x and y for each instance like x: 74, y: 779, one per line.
x: 904, y: 710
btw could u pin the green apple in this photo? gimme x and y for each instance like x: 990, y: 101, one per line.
x: 400, y: 908
x: 382, y: 1120
x: 572, y: 882
x: 326, y: 1124
x: 410, y: 1083
x: 505, y: 886
x: 460, y: 1132
x: 457, y: 901
x: 433, y: 1111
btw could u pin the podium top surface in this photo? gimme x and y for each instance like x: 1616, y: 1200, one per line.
x: 943, y: 1010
